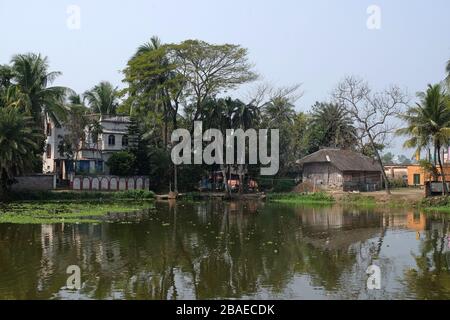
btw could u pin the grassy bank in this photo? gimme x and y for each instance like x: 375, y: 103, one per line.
x: 356, y: 199
x: 80, y: 195
x: 436, y: 204
x: 298, y: 198
x: 66, y: 212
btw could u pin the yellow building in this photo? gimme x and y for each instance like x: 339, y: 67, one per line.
x: 417, y: 176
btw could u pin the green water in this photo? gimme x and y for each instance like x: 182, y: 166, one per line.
x: 220, y: 249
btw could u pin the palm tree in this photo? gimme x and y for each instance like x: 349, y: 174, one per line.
x: 279, y: 110
x: 19, y: 145
x: 154, y: 44
x: 428, y: 124
x: 245, y: 117
x: 102, y: 98
x: 157, y: 86
x: 13, y: 97
x: 31, y: 75
x: 447, y: 69
x: 335, y: 124
x: 6, y: 75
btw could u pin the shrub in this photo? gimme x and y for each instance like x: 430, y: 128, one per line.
x: 134, y: 194
x: 443, y: 201
x: 397, y: 183
x: 121, y: 163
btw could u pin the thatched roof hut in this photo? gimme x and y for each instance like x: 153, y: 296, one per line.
x: 341, y: 169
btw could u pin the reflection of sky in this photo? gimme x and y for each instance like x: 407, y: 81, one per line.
x: 399, y: 248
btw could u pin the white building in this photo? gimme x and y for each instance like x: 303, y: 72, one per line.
x: 92, y: 155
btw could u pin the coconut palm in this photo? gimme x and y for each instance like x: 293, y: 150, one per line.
x: 13, y: 97
x: 31, y: 76
x: 103, y: 98
x: 154, y: 44
x: 19, y: 145
x: 428, y: 124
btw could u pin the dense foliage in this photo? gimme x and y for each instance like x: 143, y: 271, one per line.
x: 169, y: 86
x: 121, y: 163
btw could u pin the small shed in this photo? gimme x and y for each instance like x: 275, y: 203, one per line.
x: 341, y: 170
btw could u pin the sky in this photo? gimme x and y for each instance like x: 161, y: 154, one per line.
x: 315, y: 43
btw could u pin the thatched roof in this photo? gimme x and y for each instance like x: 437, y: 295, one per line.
x: 344, y: 160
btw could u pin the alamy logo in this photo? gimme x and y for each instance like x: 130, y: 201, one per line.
x: 374, y: 19
x: 73, y: 21
x: 74, y: 280
x: 235, y: 147
x: 374, y: 280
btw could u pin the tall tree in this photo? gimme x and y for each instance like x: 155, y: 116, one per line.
x: 153, y: 84
x: 279, y: 110
x: 103, y: 98
x: 31, y: 75
x: 6, y: 76
x: 448, y: 70
x: 210, y: 69
x: 18, y: 145
x: 372, y: 112
x: 428, y: 124
x: 334, y: 126
x: 154, y: 44
x: 155, y: 91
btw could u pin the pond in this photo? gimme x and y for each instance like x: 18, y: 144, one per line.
x: 216, y: 249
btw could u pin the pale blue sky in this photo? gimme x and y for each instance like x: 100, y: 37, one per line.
x: 311, y: 42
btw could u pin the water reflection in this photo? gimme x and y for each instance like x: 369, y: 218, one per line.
x: 232, y: 250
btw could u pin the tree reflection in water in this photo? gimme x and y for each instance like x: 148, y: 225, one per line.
x: 220, y: 249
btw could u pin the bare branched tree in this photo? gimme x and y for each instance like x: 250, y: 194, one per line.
x: 265, y: 93
x: 372, y: 112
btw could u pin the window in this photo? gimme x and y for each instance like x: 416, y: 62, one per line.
x: 417, y: 179
x: 125, y: 141
x: 111, y: 140
x: 49, y: 151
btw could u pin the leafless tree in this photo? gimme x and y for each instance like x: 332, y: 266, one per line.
x: 263, y: 93
x: 372, y: 112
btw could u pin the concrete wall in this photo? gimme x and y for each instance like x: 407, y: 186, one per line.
x: 37, y: 182
x: 109, y: 183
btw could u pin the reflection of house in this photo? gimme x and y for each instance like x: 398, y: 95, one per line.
x: 341, y: 169
x: 416, y: 221
x: 94, y: 151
